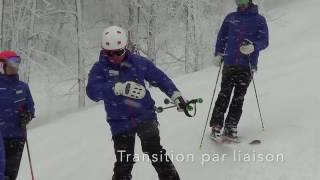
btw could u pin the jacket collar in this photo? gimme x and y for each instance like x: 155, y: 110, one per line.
x: 9, y: 79
x: 252, y: 9
x: 127, y: 62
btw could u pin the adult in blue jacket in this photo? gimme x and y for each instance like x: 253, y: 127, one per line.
x: 118, y: 79
x: 16, y: 110
x: 242, y: 36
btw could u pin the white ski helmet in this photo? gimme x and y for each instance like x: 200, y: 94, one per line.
x: 114, y: 38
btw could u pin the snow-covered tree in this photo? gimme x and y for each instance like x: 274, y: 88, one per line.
x: 1, y: 23
x: 59, y: 40
x: 81, y: 64
x: 152, y: 30
x: 190, y: 59
x: 133, y: 25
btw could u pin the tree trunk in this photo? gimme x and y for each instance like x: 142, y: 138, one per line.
x: 132, y: 25
x: 13, y: 42
x: 190, y: 59
x: 81, y: 66
x: 26, y: 75
x: 133, y: 31
x: 152, y: 31
x: 1, y: 24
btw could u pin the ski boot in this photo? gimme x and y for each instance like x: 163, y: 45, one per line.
x: 216, y: 134
x: 231, y: 134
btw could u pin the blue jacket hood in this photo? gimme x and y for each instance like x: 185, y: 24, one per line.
x: 12, y: 79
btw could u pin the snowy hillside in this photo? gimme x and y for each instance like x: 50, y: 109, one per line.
x: 79, y: 147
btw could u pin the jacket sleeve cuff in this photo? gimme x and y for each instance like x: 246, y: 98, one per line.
x: 175, y: 95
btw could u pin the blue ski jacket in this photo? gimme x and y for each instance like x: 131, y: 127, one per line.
x: 236, y: 27
x: 15, y: 98
x: 124, y: 113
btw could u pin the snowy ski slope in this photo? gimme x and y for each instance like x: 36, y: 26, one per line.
x: 79, y: 147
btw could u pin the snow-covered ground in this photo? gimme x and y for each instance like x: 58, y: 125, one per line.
x: 78, y: 146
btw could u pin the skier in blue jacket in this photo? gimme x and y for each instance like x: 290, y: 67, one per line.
x: 118, y: 79
x: 242, y: 36
x: 16, y: 111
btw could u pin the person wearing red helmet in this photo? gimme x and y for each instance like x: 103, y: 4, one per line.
x: 16, y: 111
x: 11, y: 62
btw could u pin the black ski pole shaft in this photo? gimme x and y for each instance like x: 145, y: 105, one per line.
x: 30, y: 162
x: 169, y: 107
x: 255, y: 91
x: 160, y: 108
x: 256, y: 94
x: 214, y: 92
x: 29, y: 156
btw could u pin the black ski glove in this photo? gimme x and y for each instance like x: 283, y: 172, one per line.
x: 180, y: 102
x: 25, y: 119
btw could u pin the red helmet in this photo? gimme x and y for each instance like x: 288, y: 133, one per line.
x: 4, y: 55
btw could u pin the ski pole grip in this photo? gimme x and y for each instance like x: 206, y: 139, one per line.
x: 167, y: 101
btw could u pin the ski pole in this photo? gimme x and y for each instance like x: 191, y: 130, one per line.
x: 27, y: 118
x: 256, y: 94
x: 214, y: 92
x: 29, y: 158
x: 28, y: 148
x: 160, y: 109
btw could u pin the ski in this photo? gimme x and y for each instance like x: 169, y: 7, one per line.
x: 226, y: 140
x: 232, y: 140
x: 221, y: 140
x: 255, y: 142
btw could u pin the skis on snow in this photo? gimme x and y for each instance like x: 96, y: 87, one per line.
x: 227, y: 140
x: 224, y: 140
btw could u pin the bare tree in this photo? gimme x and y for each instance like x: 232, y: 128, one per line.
x: 26, y: 75
x: 1, y: 23
x: 17, y: 24
x: 133, y: 29
x: 81, y: 65
x: 152, y: 31
x: 190, y: 37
